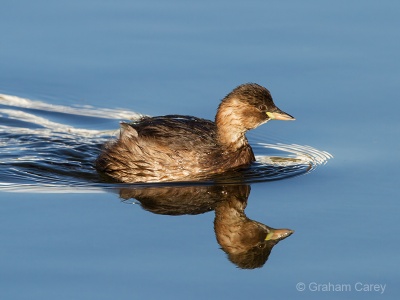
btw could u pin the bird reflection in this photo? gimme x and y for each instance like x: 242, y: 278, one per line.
x: 246, y: 242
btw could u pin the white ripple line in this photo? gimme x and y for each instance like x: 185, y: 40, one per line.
x: 53, y: 126
x: 305, y: 152
x: 81, y: 110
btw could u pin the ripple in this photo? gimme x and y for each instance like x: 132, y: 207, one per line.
x: 300, y: 153
x: 51, y: 148
x: 84, y: 110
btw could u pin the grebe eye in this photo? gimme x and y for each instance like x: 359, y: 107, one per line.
x: 262, y: 107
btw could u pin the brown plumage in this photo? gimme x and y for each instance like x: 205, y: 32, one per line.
x: 183, y: 148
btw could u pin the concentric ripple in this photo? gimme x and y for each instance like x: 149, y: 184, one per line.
x: 51, y: 148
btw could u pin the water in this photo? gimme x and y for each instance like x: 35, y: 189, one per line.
x: 84, y: 66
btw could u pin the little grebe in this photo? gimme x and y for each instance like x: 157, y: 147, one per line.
x: 182, y: 148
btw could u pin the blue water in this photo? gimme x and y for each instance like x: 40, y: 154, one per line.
x: 333, y: 66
